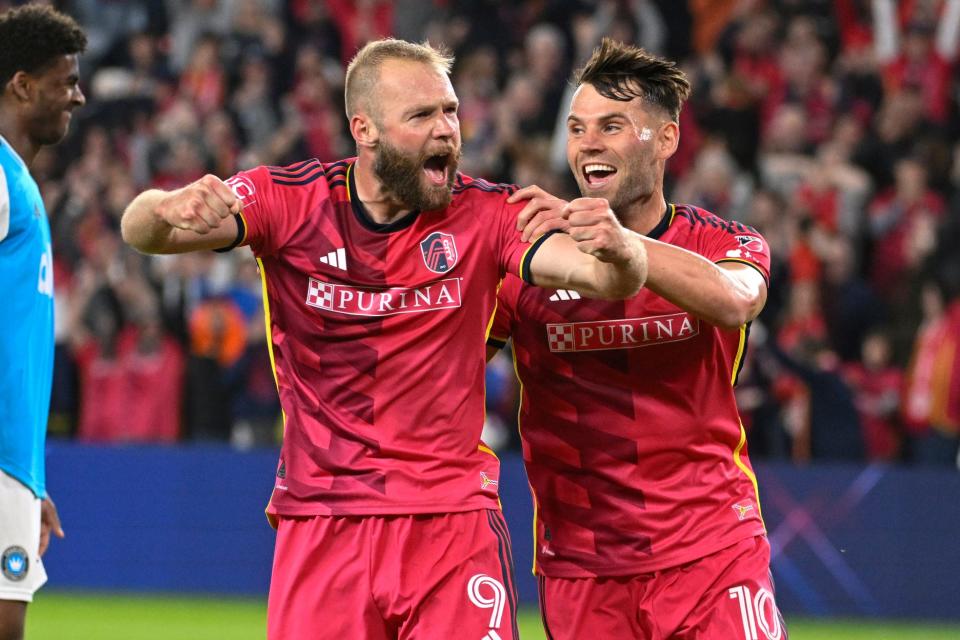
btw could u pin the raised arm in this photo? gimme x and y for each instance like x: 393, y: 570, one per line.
x: 196, y: 217
x: 597, y: 256
x: 726, y: 295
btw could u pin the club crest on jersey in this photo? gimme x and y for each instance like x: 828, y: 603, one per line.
x: 439, y: 252
x: 486, y: 481
x: 742, y: 510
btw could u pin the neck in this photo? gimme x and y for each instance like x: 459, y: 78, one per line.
x: 380, y: 205
x: 644, y: 214
x: 14, y: 134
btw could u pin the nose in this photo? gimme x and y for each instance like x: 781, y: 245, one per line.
x: 78, y: 98
x: 446, y: 126
x: 591, y: 140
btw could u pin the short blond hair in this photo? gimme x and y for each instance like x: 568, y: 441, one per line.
x: 364, y: 70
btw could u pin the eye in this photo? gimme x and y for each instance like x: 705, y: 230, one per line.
x: 575, y: 130
x: 450, y: 111
x: 612, y: 128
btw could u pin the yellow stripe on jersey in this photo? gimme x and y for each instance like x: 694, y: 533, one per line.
x: 747, y: 471
x: 673, y: 213
x: 741, y: 349
x: 482, y: 447
x: 273, y: 364
x: 349, y: 169
x: 485, y: 449
x: 533, y: 494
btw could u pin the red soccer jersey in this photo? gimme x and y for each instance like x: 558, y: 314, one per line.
x: 377, y: 336
x: 631, y: 436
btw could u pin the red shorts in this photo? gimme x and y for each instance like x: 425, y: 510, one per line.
x: 727, y: 595
x: 386, y: 577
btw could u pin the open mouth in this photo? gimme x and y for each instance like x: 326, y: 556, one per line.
x: 436, y: 168
x: 598, y: 174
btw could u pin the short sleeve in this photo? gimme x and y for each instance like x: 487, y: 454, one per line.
x: 505, y: 312
x: 263, y: 222
x: 739, y: 243
x: 515, y: 255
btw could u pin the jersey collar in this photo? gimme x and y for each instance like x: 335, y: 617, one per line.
x: 14, y: 153
x: 665, y: 221
x: 360, y: 211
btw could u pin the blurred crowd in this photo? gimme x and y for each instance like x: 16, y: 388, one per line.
x: 829, y: 125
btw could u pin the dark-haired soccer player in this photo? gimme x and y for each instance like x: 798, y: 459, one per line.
x: 38, y: 93
x: 648, y: 523
x: 380, y: 278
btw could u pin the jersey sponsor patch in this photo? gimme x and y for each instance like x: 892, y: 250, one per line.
x: 243, y: 188
x: 15, y: 563
x: 439, y: 252
x: 627, y: 333
x: 339, y: 298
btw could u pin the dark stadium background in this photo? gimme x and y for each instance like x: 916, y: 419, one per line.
x: 831, y: 126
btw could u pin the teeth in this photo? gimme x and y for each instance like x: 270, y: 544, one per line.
x: 590, y: 168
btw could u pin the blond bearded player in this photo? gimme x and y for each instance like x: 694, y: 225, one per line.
x: 648, y: 522
x: 380, y: 274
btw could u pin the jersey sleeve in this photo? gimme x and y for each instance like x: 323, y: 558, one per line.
x: 264, y: 224
x: 739, y: 243
x: 515, y: 255
x: 505, y: 312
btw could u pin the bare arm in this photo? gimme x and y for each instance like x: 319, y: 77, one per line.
x: 727, y: 295
x: 196, y: 217
x: 597, y: 256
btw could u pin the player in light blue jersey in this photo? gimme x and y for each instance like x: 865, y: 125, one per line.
x: 39, y: 89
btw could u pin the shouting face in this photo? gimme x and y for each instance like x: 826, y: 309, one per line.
x: 417, y: 151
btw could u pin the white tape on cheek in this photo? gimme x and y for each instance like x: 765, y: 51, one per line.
x: 646, y: 134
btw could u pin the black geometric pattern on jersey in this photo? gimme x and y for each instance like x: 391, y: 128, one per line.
x: 695, y: 217
x: 478, y: 183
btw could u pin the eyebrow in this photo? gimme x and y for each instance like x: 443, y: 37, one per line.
x: 603, y: 117
x: 430, y: 107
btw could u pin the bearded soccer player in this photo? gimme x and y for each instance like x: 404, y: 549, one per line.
x: 380, y: 277
x: 39, y: 90
x: 648, y: 523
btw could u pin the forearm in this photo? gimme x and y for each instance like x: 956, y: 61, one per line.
x: 620, y: 280
x: 142, y: 227
x: 700, y: 287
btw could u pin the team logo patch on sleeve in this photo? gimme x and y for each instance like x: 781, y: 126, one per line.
x: 15, y: 563
x: 439, y: 252
x: 750, y: 243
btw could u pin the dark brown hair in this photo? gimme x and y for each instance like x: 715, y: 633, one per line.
x: 623, y: 72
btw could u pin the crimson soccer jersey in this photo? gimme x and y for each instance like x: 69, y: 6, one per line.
x: 631, y: 435
x: 377, y: 336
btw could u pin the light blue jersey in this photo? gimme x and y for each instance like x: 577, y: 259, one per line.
x: 26, y: 323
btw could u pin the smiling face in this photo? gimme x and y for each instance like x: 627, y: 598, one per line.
x: 417, y: 141
x: 616, y: 149
x: 54, y: 94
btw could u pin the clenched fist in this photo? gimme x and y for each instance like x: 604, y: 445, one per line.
x: 200, y: 206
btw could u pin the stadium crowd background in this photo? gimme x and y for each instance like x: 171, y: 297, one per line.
x: 829, y: 125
